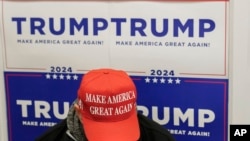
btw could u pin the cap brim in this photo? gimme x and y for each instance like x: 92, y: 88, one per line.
x: 125, y: 130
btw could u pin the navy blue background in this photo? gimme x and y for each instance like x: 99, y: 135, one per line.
x: 190, y: 93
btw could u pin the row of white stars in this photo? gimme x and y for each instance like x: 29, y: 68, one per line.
x: 61, y: 76
x: 147, y: 79
x: 163, y: 80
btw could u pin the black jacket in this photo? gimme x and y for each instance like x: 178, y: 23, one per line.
x: 149, y: 130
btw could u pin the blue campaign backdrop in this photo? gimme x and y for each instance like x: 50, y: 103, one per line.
x: 185, y: 106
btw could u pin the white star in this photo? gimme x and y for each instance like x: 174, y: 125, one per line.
x: 54, y: 76
x: 155, y: 80
x: 61, y: 77
x: 177, y: 81
x: 47, y: 76
x: 68, y: 77
x: 170, y: 81
x: 75, y: 77
x: 163, y: 80
x: 147, y: 80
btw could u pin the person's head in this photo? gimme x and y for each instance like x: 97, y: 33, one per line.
x: 107, y: 106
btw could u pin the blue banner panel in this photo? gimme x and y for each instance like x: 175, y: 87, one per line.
x: 193, y: 109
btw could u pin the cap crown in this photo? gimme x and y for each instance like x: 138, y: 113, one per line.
x: 107, y: 95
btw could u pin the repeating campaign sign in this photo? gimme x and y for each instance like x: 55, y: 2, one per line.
x: 176, y: 53
x: 150, y: 35
x: 191, y: 109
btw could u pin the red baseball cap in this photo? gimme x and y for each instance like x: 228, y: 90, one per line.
x: 107, y: 103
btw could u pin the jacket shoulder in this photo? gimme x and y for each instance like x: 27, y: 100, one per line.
x: 57, y: 132
x: 153, y: 131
